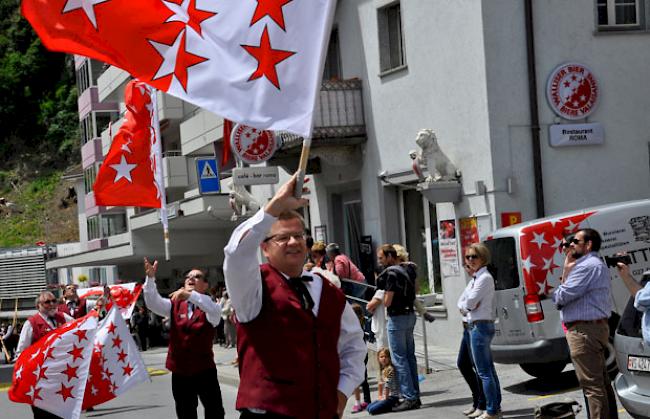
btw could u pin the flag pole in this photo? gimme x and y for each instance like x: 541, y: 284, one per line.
x: 158, y: 174
x: 302, y: 167
x: 15, y: 313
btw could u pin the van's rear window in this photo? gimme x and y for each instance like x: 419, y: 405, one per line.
x: 504, y: 263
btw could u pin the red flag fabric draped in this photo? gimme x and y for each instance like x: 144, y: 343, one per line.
x: 255, y: 62
x: 51, y: 374
x: 124, y: 295
x: 226, y: 152
x: 116, y: 364
x: 126, y: 176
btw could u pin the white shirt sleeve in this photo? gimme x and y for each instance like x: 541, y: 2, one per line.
x: 25, y: 340
x: 241, y: 265
x: 153, y: 300
x: 204, y: 302
x: 352, y: 351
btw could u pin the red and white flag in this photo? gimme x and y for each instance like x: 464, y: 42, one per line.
x: 254, y: 62
x: 124, y: 295
x: 51, y: 374
x: 127, y: 174
x: 116, y: 364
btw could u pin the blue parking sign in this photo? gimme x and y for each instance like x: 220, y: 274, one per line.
x: 208, y: 175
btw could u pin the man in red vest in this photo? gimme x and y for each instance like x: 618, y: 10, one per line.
x: 37, y: 326
x: 300, y: 345
x: 72, y: 305
x: 193, y: 318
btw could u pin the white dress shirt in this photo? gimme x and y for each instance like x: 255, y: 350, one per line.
x: 163, y: 306
x: 25, y: 340
x: 244, y: 284
x: 477, y: 301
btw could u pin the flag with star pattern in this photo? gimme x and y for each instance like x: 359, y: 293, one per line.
x: 256, y: 62
x: 124, y: 295
x: 116, y: 364
x: 127, y: 174
x: 51, y: 374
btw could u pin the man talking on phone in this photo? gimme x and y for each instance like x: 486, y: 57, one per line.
x: 584, y: 300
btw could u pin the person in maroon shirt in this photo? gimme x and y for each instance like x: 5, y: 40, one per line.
x: 72, y: 305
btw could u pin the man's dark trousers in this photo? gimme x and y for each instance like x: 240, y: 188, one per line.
x: 188, y: 390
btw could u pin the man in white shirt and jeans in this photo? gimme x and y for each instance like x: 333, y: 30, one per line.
x: 300, y: 345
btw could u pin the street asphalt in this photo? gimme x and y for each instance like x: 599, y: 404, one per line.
x: 444, y: 393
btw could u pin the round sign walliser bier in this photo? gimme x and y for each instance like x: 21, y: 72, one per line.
x: 572, y: 91
x: 252, y: 145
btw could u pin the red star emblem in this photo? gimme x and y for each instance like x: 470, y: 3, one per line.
x: 267, y: 58
x: 195, y: 16
x: 65, y: 392
x: 70, y: 371
x: 49, y: 354
x: 76, y: 352
x: 108, y: 374
x: 117, y: 342
x: 111, y: 329
x: 127, y: 370
x: 41, y: 373
x: 121, y: 356
x: 35, y: 393
x: 80, y: 334
x: 184, y: 60
x: 271, y: 8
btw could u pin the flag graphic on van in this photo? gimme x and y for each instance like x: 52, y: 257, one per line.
x: 541, y: 255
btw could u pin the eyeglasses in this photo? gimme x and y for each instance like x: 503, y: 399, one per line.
x: 565, y: 245
x: 48, y: 301
x: 471, y: 257
x: 576, y: 241
x: 199, y: 276
x: 284, y: 238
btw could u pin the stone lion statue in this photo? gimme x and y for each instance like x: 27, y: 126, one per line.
x: 432, y: 159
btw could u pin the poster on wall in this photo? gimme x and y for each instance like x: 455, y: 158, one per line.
x: 320, y: 234
x: 468, y: 233
x: 448, y: 247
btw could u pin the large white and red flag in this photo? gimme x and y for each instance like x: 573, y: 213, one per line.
x: 116, y: 364
x: 127, y: 174
x: 124, y: 295
x: 51, y: 374
x: 256, y: 62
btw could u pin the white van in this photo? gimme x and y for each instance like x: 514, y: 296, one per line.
x: 528, y: 261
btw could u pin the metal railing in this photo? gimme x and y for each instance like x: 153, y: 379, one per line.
x: 422, y: 335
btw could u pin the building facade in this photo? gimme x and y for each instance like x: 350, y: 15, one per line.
x: 476, y: 73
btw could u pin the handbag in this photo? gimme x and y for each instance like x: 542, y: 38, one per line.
x: 557, y: 410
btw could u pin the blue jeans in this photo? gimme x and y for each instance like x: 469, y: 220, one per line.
x: 382, y: 406
x: 466, y: 366
x: 402, y: 348
x: 481, y: 335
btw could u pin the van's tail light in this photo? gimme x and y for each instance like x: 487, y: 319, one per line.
x: 534, y: 311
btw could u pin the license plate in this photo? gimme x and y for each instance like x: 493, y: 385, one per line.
x: 638, y: 363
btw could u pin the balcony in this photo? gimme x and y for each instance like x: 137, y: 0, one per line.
x: 200, y: 131
x: 111, y: 83
x: 175, y: 170
x: 89, y: 101
x: 108, y: 139
x: 91, y: 153
x: 169, y: 107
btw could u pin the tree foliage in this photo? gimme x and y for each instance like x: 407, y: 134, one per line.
x: 39, y: 123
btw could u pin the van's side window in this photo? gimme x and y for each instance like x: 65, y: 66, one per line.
x: 504, y: 263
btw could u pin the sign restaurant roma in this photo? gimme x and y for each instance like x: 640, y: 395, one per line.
x: 572, y: 91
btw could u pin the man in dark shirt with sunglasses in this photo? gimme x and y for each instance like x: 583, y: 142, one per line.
x: 584, y: 301
x: 193, y: 318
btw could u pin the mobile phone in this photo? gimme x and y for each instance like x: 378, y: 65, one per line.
x: 611, y: 261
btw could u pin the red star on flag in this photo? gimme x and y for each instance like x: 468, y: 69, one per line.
x: 99, y: 347
x: 188, y: 14
x: 76, y: 352
x: 107, y: 374
x: 70, y: 371
x: 111, y: 330
x: 81, y: 334
x: 267, y: 58
x: 34, y: 393
x: 41, y: 373
x: 117, y: 342
x: 176, y: 59
x: 65, y: 392
x: 271, y: 8
x: 49, y: 354
x: 121, y: 356
x: 127, y: 370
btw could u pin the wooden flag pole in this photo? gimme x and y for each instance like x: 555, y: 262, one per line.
x: 2, y: 341
x: 302, y: 167
x: 15, y: 313
x: 160, y: 180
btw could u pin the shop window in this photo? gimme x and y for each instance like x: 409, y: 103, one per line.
x: 619, y: 14
x: 391, y: 41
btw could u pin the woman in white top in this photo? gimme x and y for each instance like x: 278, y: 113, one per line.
x: 477, y: 304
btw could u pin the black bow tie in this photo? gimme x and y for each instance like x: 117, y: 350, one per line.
x: 298, y: 285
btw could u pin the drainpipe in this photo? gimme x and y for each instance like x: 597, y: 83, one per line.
x: 534, y: 111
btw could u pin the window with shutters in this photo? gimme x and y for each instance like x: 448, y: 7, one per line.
x: 391, y: 39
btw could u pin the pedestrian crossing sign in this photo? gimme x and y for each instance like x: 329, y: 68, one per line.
x: 208, y: 175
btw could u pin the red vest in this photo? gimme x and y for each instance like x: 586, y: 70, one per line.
x: 40, y: 327
x: 190, y: 341
x: 288, y: 358
x: 78, y: 313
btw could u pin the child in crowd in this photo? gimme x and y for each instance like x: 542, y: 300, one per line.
x: 388, y: 388
x: 358, y: 406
